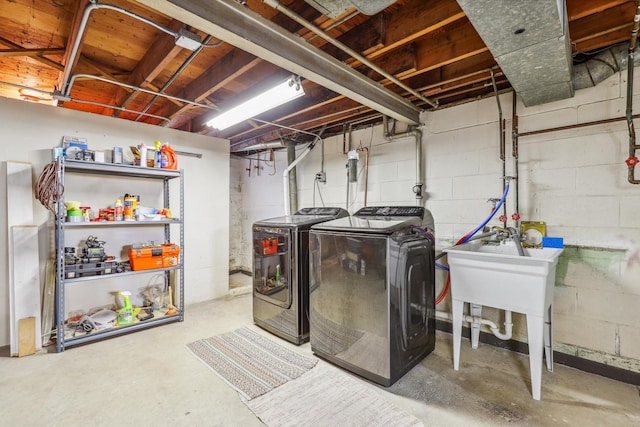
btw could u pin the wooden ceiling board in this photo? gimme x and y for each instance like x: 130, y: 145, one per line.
x: 428, y: 44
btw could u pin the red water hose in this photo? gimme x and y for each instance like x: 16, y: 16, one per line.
x: 447, y: 284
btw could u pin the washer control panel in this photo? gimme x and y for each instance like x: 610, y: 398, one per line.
x: 386, y: 211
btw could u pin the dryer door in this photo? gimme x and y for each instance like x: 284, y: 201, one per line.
x: 273, y: 255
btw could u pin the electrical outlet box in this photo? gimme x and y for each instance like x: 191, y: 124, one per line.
x: 321, y: 176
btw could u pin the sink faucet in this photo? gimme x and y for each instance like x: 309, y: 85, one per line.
x: 516, y: 238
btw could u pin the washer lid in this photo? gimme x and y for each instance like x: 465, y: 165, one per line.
x: 306, y: 216
x: 366, y: 225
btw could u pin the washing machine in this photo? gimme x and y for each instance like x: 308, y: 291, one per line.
x: 281, y: 271
x: 372, y: 291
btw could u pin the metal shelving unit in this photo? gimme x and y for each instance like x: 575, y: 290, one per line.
x: 75, y: 167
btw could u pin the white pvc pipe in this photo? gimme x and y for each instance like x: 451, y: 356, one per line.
x: 508, y: 324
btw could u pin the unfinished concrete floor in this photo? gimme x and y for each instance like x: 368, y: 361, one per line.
x: 149, y: 378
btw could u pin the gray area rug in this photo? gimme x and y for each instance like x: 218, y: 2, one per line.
x: 327, y: 397
x: 285, y: 388
x: 249, y: 362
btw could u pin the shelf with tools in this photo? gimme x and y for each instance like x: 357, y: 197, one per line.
x: 142, y: 284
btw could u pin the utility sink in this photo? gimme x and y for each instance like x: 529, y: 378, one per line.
x: 496, y: 276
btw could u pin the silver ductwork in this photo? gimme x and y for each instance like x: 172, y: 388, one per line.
x: 602, y: 66
x: 530, y: 42
x: 335, y: 8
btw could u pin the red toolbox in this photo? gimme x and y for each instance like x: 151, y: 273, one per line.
x: 269, y: 246
x: 154, y: 256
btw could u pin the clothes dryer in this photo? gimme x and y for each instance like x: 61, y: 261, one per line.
x: 281, y: 271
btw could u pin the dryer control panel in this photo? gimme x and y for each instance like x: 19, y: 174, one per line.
x: 382, y: 211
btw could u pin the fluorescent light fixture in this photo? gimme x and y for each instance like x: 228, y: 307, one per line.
x: 278, y: 95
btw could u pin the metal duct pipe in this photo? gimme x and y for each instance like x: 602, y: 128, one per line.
x: 346, y: 49
x: 417, y: 133
x: 602, y: 66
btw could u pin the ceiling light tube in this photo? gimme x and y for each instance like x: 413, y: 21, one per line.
x: 278, y: 95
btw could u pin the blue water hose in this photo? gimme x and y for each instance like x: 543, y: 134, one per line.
x: 496, y: 209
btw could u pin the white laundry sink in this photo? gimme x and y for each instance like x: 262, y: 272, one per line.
x: 497, y: 276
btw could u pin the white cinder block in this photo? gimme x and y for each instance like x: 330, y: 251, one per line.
x: 439, y: 189
x: 488, y: 108
x: 580, y: 211
x: 382, y: 172
x: 611, y: 307
x: 564, y: 300
x: 397, y: 150
x: 397, y: 192
x: 630, y: 211
x: 537, y: 181
x: 583, y: 331
x: 599, y: 180
x: 479, y: 137
x: 483, y: 187
x: 459, y: 164
x: 630, y: 342
x: 408, y: 169
x: 462, y: 116
x: 548, y: 119
x: 468, y: 213
x: 590, y: 271
x: 604, y: 108
x: 587, y: 150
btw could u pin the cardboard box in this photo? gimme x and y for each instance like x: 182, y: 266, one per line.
x: 154, y: 256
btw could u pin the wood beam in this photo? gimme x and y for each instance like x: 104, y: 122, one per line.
x: 577, y: 9
x: 458, y: 42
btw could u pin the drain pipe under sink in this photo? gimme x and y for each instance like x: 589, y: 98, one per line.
x: 477, y: 320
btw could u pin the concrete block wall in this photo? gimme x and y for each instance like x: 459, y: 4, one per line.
x: 573, y: 180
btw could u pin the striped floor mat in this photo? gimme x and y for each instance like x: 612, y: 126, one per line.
x: 249, y: 362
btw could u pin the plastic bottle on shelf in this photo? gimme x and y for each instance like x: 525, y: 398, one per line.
x: 125, y: 314
x: 119, y: 210
x: 143, y: 155
x: 157, y: 159
x: 128, y: 207
x: 164, y: 157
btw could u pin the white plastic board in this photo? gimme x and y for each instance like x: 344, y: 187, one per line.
x: 24, y: 276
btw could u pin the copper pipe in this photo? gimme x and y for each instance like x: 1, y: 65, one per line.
x: 633, y: 147
x: 577, y: 125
